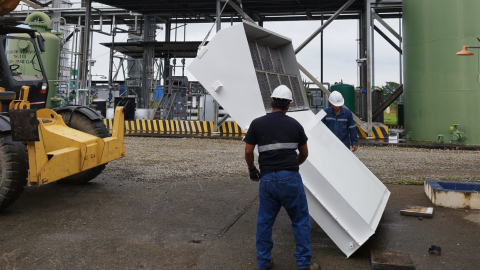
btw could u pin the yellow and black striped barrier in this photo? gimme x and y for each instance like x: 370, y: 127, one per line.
x: 175, y: 127
x: 205, y: 128
x: 378, y: 132
x: 395, y: 127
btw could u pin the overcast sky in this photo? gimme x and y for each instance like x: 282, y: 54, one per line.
x: 340, y: 49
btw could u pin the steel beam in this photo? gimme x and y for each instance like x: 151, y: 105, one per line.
x: 334, y: 16
x: 388, y: 40
x: 325, y: 90
x: 309, y: 15
x: 389, y: 101
x: 368, y: 23
x: 387, y: 26
x: 85, y: 45
x: 239, y: 11
x: 32, y: 4
x: 215, y: 103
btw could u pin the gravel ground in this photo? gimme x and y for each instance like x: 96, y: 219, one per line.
x: 156, y: 160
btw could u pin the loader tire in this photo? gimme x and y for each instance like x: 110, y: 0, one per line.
x: 97, y: 128
x: 13, y: 169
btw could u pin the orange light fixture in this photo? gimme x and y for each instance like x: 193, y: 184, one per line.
x: 465, y: 51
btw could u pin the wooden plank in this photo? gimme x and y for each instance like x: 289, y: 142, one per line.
x: 391, y: 260
x: 417, y: 211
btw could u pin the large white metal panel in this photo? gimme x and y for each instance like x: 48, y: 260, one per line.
x: 344, y: 197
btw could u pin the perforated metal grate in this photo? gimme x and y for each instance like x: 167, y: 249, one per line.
x: 273, y: 80
x: 264, y: 89
x: 271, y: 73
x: 277, y: 60
x: 255, y: 57
x: 297, y: 91
x: 285, y: 81
x: 265, y: 57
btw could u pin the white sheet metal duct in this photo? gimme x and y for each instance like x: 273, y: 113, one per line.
x: 344, y: 197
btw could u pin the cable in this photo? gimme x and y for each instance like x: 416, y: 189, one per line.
x: 219, y: 16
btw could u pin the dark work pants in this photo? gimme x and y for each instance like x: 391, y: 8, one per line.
x: 285, y: 189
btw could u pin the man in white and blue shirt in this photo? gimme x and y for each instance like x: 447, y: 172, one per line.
x: 340, y: 121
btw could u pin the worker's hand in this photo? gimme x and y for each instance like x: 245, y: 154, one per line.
x: 254, y: 174
x: 354, y: 148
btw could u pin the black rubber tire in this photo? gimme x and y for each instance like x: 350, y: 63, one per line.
x: 13, y: 169
x: 93, y: 127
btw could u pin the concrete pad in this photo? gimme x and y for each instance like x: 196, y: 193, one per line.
x: 198, y: 223
x: 391, y: 260
x: 473, y: 218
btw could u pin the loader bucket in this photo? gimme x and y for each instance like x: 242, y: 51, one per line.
x: 240, y: 67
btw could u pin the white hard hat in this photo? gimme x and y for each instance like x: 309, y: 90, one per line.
x: 282, y: 92
x: 336, y: 99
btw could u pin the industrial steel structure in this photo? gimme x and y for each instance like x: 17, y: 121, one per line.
x: 264, y: 60
x: 140, y: 15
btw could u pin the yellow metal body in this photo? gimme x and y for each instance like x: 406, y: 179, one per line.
x: 22, y: 101
x: 63, y: 151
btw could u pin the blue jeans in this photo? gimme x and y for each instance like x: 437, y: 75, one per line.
x: 285, y: 189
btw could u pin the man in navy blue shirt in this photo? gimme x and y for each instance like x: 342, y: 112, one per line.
x: 340, y: 121
x: 278, y: 136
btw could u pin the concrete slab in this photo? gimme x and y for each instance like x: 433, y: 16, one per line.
x: 198, y: 223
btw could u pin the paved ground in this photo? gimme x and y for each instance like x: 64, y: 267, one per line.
x: 202, y: 222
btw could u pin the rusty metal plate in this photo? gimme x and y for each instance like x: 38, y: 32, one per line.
x: 24, y: 125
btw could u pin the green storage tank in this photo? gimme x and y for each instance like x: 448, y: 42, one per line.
x: 440, y: 88
x: 348, y: 93
x: 50, y: 58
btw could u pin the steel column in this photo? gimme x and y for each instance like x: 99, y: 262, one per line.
x: 321, y: 53
x: 368, y: 37
x: 400, y: 54
x: 166, y: 64
x: 148, y: 57
x: 85, y: 45
x: 110, y: 66
x: 215, y: 103
x: 372, y: 45
x: 362, y: 48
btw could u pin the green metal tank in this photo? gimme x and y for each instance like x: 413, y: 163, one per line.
x: 440, y: 89
x: 348, y: 93
x: 50, y: 58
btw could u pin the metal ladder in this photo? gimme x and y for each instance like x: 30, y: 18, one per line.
x: 165, y: 104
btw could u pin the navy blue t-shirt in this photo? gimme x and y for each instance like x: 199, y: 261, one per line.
x: 278, y: 136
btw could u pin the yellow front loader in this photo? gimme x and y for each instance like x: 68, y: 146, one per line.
x: 38, y: 145
x: 42, y: 149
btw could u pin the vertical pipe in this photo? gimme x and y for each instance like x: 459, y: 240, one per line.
x: 110, y: 66
x: 85, y: 44
x: 399, y: 54
x: 166, y: 69
x: 363, y: 65
x: 368, y: 20
x: 321, y: 53
x: 372, y: 29
x: 148, y: 57
x: 215, y: 103
x: 78, y: 62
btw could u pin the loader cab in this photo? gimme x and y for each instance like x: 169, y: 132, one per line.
x: 21, y: 64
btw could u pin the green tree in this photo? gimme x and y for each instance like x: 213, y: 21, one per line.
x: 388, y: 90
